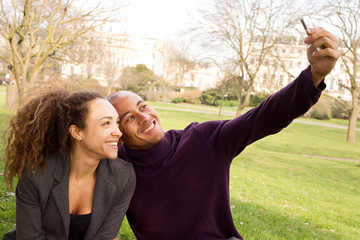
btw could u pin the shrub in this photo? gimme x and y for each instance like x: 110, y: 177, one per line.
x: 178, y: 100
x: 209, y: 97
x: 321, y: 110
x: 338, y: 110
x: 226, y: 103
x: 152, y: 96
x: 257, y: 99
x: 319, y: 115
x: 191, y: 95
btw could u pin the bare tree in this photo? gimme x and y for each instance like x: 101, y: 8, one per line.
x: 166, y: 69
x: 181, y: 62
x: 114, y: 59
x: 344, y: 16
x: 36, y: 30
x: 175, y: 63
x: 99, y: 58
x: 244, y: 32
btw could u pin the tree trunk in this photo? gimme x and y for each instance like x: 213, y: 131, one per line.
x: 11, y: 95
x: 221, y: 103
x: 352, y: 119
x: 245, y: 103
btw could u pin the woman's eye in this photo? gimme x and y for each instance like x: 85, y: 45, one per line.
x: 106, y: 123
x: 143, y: 107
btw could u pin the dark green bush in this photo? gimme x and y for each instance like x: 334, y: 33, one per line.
x: 178, y: 100
x: 257, y: 99
x: 226, y: 103
x: 209, y: 97
x: 318, y: 114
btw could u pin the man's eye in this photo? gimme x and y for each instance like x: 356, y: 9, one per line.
x: 131, y: 117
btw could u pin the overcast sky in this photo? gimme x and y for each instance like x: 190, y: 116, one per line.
x: 163, y: 18
x: 159, y: 18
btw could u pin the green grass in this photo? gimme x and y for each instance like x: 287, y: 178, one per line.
x: 275, y: 192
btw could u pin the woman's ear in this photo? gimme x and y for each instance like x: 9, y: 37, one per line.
x: 75, y: 132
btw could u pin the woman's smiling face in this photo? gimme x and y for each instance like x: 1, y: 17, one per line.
x: 101, y: 134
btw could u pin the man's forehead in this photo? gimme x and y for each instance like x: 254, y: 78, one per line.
x: 117, y: 98
x: 133, y: 98
x: 125, y: 103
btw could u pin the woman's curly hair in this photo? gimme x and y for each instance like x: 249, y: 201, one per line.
x: 40, y: 128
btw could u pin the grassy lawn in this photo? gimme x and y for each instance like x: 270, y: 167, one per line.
x: 275, y: 192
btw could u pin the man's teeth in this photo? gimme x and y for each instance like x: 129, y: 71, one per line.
x: 112, y: 143
x: 149, y: 128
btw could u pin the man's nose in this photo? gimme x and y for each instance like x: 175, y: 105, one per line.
x: 143, y: 117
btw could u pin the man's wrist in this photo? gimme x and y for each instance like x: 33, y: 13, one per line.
x: 316, y: 77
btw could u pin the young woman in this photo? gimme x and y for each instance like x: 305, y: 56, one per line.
x: 63, y: 148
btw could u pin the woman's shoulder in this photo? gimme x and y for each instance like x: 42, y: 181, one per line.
x: 52, y: 165
x: 118, y: 166
x: 118, y: 162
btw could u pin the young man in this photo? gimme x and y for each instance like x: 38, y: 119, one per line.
x: 182, y: 189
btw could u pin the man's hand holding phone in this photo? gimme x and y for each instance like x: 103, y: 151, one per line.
x: 321, y: 53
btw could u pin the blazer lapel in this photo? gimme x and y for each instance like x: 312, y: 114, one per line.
x: 102, y: 201
x: 61, y: 190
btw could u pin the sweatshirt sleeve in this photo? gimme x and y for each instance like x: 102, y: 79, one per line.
x: 272, y: 115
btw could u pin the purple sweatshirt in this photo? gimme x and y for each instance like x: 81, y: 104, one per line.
x: 182, y: 188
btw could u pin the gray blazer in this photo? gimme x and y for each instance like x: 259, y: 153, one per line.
x: 42, y: 201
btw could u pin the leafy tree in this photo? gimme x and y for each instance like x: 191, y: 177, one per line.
x: 138, y: 79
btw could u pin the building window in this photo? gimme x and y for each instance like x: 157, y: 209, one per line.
x: 264, y: 79
x: 273, y: 77
x: 340, y: 87
x: 281, y: 81
x: 290, y: 64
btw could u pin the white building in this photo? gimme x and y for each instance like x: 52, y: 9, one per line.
x: 123, y: 50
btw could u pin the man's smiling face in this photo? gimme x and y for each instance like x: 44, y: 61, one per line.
x: 139, y: 123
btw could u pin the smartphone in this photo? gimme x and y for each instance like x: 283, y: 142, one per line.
x: 303, y: 23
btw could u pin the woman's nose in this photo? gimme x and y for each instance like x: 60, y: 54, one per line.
x: 116, y: 131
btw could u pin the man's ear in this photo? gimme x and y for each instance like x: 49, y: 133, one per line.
x: 75, y: 132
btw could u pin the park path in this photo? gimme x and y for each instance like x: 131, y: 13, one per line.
x: 232, y: 114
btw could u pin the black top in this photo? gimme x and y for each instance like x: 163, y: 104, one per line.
x: 78, y: 226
